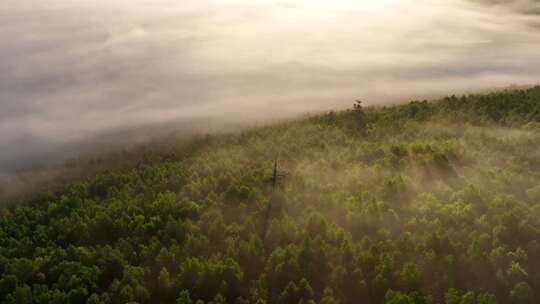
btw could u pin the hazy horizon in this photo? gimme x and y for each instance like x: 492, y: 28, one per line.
x: 75, y: 71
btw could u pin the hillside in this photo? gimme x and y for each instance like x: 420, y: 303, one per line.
x: 425, y: 202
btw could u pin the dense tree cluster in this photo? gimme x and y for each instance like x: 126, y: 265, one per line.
x: 428, y: 202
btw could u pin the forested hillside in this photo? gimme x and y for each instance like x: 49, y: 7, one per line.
x: 426, y: 202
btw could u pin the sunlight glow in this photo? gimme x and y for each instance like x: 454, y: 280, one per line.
x: 327, y: 5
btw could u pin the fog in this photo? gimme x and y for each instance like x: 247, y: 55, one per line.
x: 76, y: 75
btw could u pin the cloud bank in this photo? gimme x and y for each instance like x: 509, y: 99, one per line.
x: 74, y: 71
x: 523, y: 6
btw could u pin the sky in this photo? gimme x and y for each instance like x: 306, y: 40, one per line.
x: 76, y: 73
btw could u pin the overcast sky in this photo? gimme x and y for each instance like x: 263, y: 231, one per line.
x: 73, y: 70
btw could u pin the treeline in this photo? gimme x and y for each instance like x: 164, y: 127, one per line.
x: 511, y: 108
x: 427, y: 202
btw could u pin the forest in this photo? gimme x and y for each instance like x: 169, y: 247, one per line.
x: 422, y: 202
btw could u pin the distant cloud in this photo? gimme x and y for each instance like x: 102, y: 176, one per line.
x: 73, y: 71
x: 524, y: 6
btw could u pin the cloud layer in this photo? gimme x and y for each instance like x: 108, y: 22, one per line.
x: 523, y: 6
x: 72, y: 71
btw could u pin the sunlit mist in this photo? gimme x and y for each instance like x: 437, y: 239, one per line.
x: 75, y: 70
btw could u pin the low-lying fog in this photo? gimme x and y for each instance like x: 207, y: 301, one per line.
x: 79, y: 74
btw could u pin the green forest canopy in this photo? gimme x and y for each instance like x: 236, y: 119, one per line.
x: 426, y: 202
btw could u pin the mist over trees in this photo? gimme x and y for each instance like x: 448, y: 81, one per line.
x: 426, y: 202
